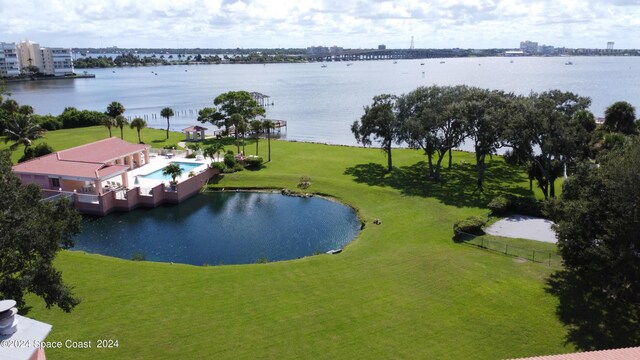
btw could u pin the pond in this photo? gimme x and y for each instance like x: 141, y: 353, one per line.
x: 223, y: 228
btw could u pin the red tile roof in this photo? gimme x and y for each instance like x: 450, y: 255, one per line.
x: 615, y: 354
x: 101, y: 151
x: 87, y: 161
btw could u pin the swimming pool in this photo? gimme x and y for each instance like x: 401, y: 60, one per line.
x: 157, y: 175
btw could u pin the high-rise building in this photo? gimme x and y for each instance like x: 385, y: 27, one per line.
x: 610, y: 45
x: 9, y: 63
x: 50, y: 61
x: 529, y: 47
x: 29, y: 54
x: 57, y: 61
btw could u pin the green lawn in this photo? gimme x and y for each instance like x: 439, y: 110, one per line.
x: 63, y: 139
x: 402, y: 289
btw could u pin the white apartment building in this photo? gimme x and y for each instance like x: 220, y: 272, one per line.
x: 9, y: 63
x: 29, y: 54
x: 57, y: 61
x: 50, y: 61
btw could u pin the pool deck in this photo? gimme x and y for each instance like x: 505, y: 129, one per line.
x: 158, y: 162
x: 142, y: 192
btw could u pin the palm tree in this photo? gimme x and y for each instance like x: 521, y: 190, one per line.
x: 214, y: 150
x: 243, y: 127
x: 256, y: 127
x: 620, y: 117
x: 115, y: 109
x: 121, y: 122
x: 26, y: 110
x: 167, y: 113
x: 268, y: 125
x: 174, y: 170
x: 109, y: 122
x: 22, y: 130
x: 11, y: 106
x: 139, y: 124
x: 236, y: 120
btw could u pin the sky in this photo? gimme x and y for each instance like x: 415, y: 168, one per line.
x: 303, y: 23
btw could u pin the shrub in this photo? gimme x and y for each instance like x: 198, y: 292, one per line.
x: 526, y: 205
x: 304, y: 182
x: 253, y: 162
x: 48, y: 122
x: 170, y: 147
x: 499, y: 205
x: 230, y: 161
x: 138, y: 257
x: 471, y: 225
x: 191, y: 156
x: 36, y: 151
x: 510, y: 204
x: 74, y: 118
x: 238, y: 167
x: 217, y: 165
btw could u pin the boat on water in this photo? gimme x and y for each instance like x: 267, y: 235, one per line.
x: 395, y: 62
x: 421, y: 63
x: 334, y: 251
x: 441, y: 62
x: 569, y: 63
x: 323, y: 66
x: 349, y: 64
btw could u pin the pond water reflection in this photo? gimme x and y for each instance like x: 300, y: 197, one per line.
x: 223, y: 228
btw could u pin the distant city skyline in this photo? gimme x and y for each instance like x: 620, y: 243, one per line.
x: 300, y: 24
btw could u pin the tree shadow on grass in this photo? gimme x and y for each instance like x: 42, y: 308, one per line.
x: 456, y: 187
x: 594, y: 319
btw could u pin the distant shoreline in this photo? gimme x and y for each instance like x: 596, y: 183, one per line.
x: 40, y: 78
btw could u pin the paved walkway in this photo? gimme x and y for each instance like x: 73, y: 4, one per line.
x: 524, y: 227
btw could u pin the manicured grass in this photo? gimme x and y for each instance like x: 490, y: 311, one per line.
x: 539, y: 251
x: 402, y: 289
x: 64, y: 139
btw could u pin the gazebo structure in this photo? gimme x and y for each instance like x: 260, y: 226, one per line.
x: 194, y: 133
x: 261, y: 99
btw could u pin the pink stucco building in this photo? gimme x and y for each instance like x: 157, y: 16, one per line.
x: 97, y: 177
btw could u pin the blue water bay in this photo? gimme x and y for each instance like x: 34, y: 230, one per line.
x: 321, y: 103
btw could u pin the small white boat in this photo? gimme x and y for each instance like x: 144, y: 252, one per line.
x: 323, y: 66
x: 334, y: 251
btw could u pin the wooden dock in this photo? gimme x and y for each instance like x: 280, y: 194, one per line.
x: 278, y: 125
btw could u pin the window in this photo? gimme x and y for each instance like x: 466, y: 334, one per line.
x: 55, y: 182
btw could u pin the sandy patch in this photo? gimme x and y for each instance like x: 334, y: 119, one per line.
x: 524, y: 227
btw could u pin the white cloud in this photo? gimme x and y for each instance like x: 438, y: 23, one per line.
x: 291, y: 23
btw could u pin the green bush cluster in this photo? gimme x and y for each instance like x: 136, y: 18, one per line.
x: 36, y: 151
x: 230, y: 161
x: 510, y: 204
x: 218, y: 166
x: 471, y: 225
x: 253, y: 162
x: 74, y: 118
